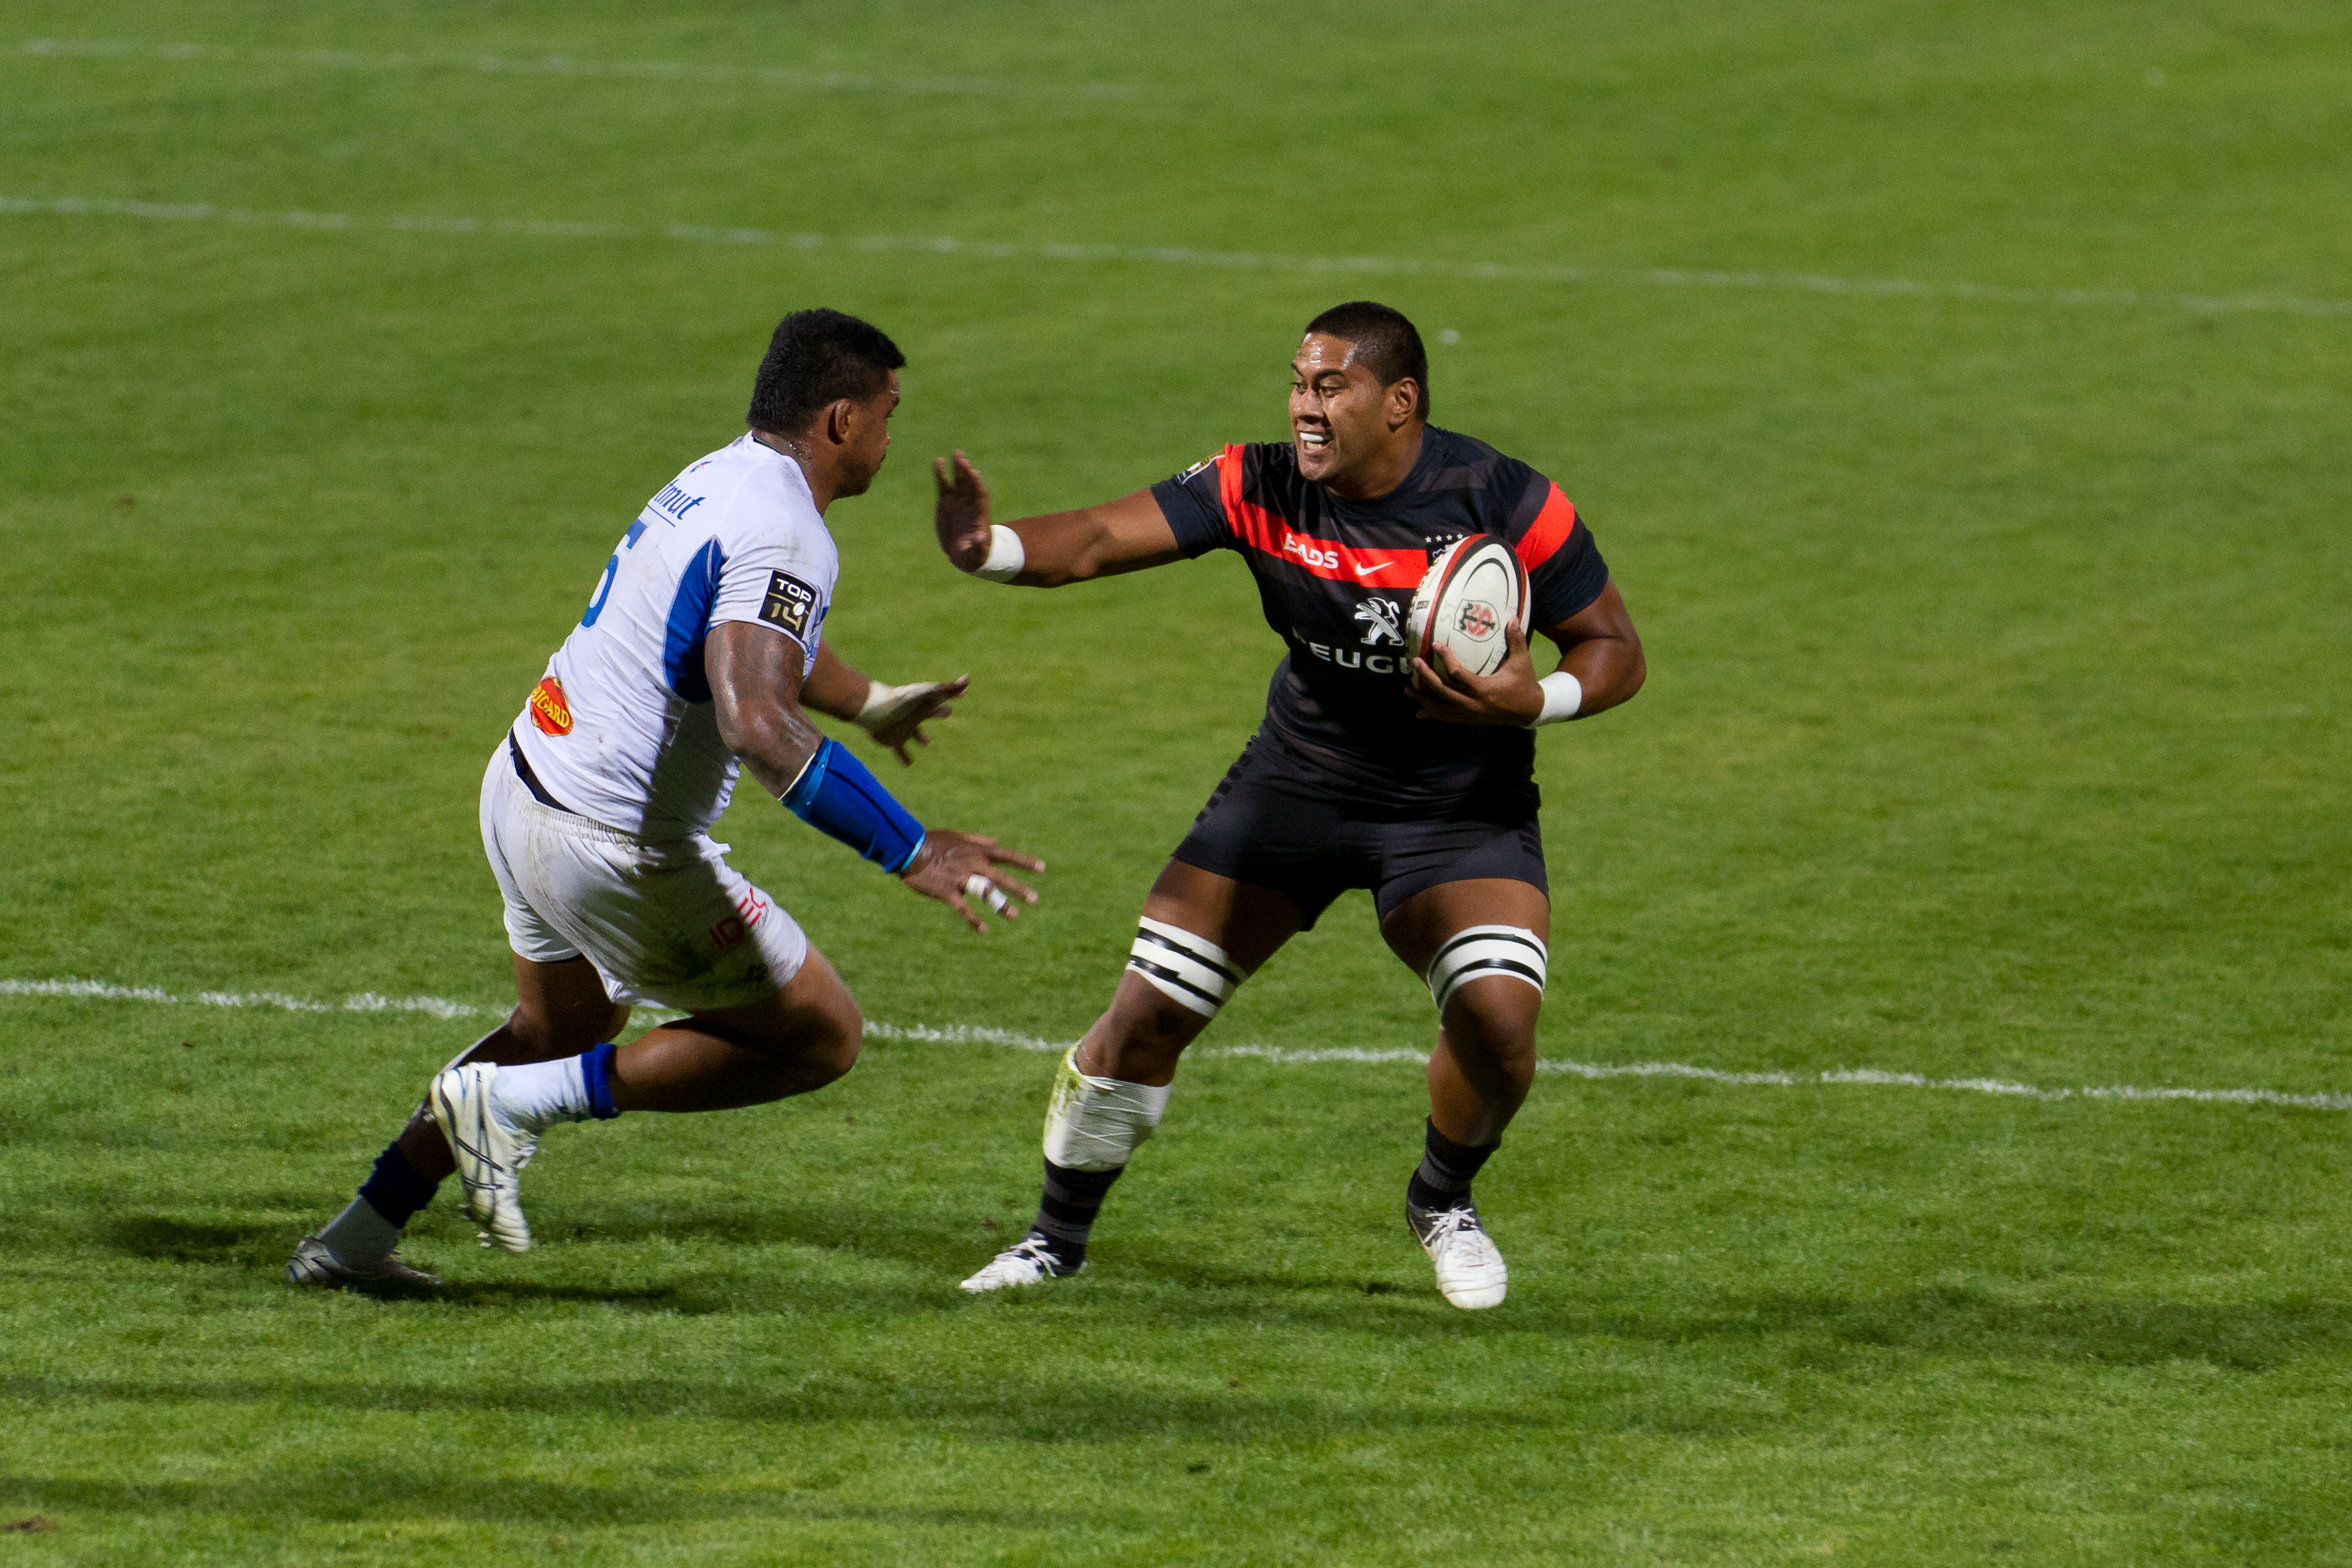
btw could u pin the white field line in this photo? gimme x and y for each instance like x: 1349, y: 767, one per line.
x: 561, y: 66
x: 1179, y: 256
x: 973, y: 1034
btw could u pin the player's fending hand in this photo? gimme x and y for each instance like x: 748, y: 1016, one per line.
x: 962, y: 515
x: 897, y: 715
x: 1511, y: 696
x: 950, y: 867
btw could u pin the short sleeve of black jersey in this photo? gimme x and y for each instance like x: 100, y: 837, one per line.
x: 1569, y: 581
x: 1194, y: 506
x: 1565, y: 571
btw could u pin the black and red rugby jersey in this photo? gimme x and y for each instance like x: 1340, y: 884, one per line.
x: 1335, y: 578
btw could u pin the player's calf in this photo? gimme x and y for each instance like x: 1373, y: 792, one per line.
x: 1095, y: 1122
x: 1487, y: 982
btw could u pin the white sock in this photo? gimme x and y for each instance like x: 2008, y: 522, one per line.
x: 535, y: 1095
x: 360, y: 1235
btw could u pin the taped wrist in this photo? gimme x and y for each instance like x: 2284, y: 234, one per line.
x: 1094, y: 1123
x: 880, y: 695
x: 1478, y: 951
x: 1563, y: 695
x: 1190, y: 970
x: 1007, y: 556
x: 835, y: 795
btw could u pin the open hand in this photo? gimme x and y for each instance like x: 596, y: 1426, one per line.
x: 1511, y: 696
x: 961, y: 516
x: 950, y: 866
x: 898, y: 720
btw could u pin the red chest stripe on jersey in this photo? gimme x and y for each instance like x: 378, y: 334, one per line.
x: 1262, y: 531
x: 1548, y: 532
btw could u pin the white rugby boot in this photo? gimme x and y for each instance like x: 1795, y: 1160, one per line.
x: 1470, y: 1271
x: 1028, y: 1261
x: 313, y: 1264
x: 490, y: 1151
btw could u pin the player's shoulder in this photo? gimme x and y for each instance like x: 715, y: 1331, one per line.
x: 1507, y: 494
x: 1460, y: 462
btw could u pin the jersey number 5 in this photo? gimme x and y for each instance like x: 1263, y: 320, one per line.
x: 612, y: 570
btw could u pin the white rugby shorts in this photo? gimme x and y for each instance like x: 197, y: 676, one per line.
x: 665, y: 921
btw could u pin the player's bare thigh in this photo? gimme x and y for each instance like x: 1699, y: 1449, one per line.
x: 560, y: 1010
x: 1139, y: 1038
x: 799, y: 1037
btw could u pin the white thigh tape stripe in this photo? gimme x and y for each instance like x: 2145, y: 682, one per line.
x: 1483, y: 950
x: 1094, y: 1123
x: 1187, y: 969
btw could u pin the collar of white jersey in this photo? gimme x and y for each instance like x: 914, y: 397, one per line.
x: 791, y: 463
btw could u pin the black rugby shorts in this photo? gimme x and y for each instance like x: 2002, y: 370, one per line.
x: 1275, y: 822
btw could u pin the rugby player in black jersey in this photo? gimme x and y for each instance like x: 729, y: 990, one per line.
x: 1373, y: 769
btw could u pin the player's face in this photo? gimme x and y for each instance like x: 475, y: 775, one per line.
x: 1340, y: 412
x: 869, y: 439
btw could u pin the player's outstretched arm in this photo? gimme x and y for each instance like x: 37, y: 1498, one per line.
x: 757, y: 682
x: 894, y: 715
x: 1125, y: 535
x: 1598, y: 650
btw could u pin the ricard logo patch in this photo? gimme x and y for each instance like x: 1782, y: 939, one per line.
x: 548, y: 708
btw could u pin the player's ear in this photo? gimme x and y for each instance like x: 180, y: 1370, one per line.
x: 840, y: 416
x: 1404, y: 400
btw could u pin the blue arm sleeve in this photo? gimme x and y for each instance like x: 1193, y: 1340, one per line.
x: 835, y: 795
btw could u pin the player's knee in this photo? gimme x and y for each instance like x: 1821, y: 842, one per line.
x: 830, y: 1047
x: 1495, y: 1018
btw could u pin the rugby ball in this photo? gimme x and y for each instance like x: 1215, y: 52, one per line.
x: 1470, y: 591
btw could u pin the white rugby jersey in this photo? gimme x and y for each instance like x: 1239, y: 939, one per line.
x: 622, y: 729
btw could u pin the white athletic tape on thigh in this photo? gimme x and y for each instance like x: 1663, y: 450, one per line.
x: 1094, y: 1123
x: 1483, y: 950
x: 1190, y: 970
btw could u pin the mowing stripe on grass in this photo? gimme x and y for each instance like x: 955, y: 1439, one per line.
x: 976, y: 1034
x: 1184, y: 256
x: 559, y: 66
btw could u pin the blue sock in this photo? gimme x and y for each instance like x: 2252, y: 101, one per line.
x: 597, y: 1071
x: 396, y: 1191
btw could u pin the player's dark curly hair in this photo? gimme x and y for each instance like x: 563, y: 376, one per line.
x: 817, y: 358
x: 1385, y: 343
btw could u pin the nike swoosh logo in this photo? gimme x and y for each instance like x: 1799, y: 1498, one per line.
x: 1367, y: 570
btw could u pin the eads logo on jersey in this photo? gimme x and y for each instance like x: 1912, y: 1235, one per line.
x: 548, y: 708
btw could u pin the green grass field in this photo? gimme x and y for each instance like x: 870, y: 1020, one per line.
x: 1997, y: 727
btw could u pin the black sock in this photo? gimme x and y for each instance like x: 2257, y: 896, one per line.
x: 397, y: 1190
x: 1447, y: 1168
x: 1066, y: 1211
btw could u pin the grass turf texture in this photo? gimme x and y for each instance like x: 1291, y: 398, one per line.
x: 1995, y: 727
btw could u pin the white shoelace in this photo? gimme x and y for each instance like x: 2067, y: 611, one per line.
x: 1448, y: 1227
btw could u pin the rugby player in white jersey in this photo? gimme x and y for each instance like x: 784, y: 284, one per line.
x: 1373, y: 769
x: 699, y: 654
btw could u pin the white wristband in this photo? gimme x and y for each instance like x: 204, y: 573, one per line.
x: 878, y: 698
x: 1563, y: 694
x: 1005, y: 555
x: 885, y: 704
